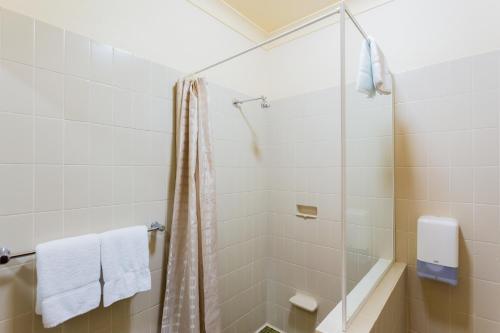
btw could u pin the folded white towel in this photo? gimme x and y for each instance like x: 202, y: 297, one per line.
x: 365, y: 77
x: 381, y: 75
x: 125, y: 263
x: 68, y: 272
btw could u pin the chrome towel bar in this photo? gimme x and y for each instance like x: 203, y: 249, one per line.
x: 5, y: 255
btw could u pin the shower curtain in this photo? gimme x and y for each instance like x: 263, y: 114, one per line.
x: 191, y: 303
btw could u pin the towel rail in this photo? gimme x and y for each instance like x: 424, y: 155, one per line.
x: 5, y: 255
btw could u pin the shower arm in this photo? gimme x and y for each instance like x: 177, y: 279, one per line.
x: 238, y: 102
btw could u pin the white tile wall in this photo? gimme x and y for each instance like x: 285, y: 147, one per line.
x: 302, y: 156
x: 241, y: 211
x: 303, y: 159
x: 453, y: 107
x: 78, y: 154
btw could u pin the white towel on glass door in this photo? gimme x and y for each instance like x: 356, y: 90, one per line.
x: 125, y: 263
x: 68, y: 272
x: 365, y: 78
x: 381, y: 75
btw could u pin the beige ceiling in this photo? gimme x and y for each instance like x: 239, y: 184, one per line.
x: 271, y: 15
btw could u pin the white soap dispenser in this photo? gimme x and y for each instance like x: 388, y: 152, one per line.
x: 437, y: 249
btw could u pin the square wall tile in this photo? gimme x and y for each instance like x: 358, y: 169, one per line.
x: 76, y: 187
x: 48, y: 140
x: 486, y: 185
x: 48, y: 188
x: 461, y: 184
x: 101, y: 63
x: 162, y: 149
x: 123, y: 140
x: 486, y: 299
x: 122, y: 108
x: 141, y: 111
x: 142, y: 147
x: 76, y: 143
x: 123, y: 215
x: 49, y: 93
x: 16, y: 138
x: 486, y: 227
x: 141, y: 76
x: 101, y: 218
x: 486, y: 147
x: 439, y: 184
x: 76, y: 222
x: 77, y: 55
x: 12, y: 238
x: 101, y: 145
x: 123, y: 63
x: 16, y: 87
x: 101, y: 104
x: 142, y: 184
x: 49, y: 47
x: 17, y: 37
x: 486, y: 106
x: 48, y: 226
x: 76, y: 98
x: 163, y: 81
x: 162, y: 115
x: 16, y: 189
x: 123, y: 185
x: 483, y: 67
x: 101, y: 179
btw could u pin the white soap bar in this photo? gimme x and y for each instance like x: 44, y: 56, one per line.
x: 304, y: 302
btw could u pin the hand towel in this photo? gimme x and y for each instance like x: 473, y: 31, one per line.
x: 68, y: 272
x: 125, y: 263
x: 381, y: 75
x: 365, y: 78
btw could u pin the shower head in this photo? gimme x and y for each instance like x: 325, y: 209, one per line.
x: 264, y: 103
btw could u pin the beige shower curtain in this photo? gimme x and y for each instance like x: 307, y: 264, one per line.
x: 191, y: 304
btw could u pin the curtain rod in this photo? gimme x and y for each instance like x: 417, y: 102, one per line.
x: 284, y: 34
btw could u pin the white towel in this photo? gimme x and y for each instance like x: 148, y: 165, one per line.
x: 68, y: 272
x: 365, y: 78
x: 381, y: 75
x: 125, y: 263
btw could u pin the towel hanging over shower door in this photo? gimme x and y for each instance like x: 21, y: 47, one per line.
x: 191, y: 304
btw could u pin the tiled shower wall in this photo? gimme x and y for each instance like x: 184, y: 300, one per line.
x: 241, y: 207
x: 303, y: 159
x: 447, y: 149
x: 86, y: 146
x: 303, y: 167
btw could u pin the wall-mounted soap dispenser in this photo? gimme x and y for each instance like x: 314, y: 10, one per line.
x: 437, y: 249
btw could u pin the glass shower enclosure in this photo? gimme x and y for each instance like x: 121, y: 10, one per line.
x: 305, y: 196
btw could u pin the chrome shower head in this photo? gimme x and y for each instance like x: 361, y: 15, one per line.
x: 265, y: 104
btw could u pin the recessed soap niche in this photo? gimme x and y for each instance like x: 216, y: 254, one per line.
x: 307, y: 212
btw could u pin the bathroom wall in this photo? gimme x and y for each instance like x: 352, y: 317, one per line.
x: 241, y: 206
x: 303, y: 167
x: 87, y: 134
x: 413, y: 34
x: 86, y: 147
x: 173, y: 33
x: 447, y: 148
x: 303, y: 159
